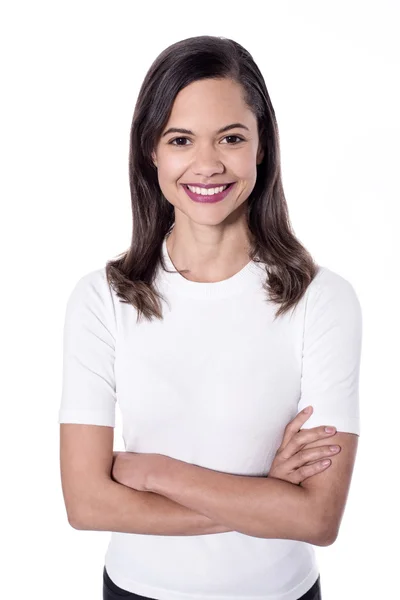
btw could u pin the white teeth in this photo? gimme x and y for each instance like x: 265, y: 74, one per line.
x: 207, y: 192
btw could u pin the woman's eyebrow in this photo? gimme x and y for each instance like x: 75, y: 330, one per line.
x: 188, y: 132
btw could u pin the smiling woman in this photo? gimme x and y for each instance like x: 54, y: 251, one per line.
x: 204, y: 118
x: 213, y: 159
x: 212, y: 332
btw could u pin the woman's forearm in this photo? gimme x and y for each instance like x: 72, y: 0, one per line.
x: 117, y: 507
x: 256, y: 506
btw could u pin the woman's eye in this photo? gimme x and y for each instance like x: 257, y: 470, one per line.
x: 234, y: 136
x: 226, y: 137
x: 175, y: 139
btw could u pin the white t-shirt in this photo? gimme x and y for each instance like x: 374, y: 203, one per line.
x: 214, y: 384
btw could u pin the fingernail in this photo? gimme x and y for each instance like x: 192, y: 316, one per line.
x: 307, y: 410
x: 329, y: 429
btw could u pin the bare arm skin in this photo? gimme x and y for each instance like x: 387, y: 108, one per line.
x: 256, y: 506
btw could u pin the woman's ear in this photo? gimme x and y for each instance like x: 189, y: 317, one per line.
x: 153, y: 158
x: 260, y: 155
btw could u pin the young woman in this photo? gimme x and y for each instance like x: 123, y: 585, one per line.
x: 213, y: 331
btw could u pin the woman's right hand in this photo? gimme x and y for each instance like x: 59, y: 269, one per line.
x: 298, y: 457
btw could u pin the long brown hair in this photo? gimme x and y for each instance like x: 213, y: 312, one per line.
x: 289, y: 266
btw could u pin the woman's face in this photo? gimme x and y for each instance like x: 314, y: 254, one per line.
x: 205, y: 156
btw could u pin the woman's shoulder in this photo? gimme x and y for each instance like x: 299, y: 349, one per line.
x: 92, y: 287
x: 96, y: 279
x: 330, y: 288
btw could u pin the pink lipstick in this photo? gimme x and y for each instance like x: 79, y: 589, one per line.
x: 206, y: 198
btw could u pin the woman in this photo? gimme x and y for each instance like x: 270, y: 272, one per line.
x: 210, y: 379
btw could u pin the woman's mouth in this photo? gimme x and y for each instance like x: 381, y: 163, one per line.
x: 209, y: 195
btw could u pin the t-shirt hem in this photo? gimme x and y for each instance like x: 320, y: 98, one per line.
x: 344, y: 423
x: 85, y: 417
x: 163, y: 594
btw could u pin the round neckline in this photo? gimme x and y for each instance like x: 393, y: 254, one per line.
x: 248, y: 278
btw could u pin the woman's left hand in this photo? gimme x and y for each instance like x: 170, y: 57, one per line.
x: 134, y: 468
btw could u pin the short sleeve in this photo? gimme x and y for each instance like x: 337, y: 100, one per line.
x: 331, y: 355
x: 89, y: 337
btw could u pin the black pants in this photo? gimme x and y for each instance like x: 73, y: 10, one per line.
x: 112, y: 592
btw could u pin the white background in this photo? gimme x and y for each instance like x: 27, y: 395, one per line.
x: 70, y: 75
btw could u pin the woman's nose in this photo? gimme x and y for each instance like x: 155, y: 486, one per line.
x: 207, y: 162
